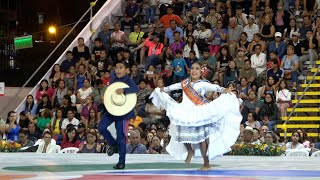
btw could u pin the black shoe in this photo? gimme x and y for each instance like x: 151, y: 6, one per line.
x: 119, y: 166
x: 111, y: 150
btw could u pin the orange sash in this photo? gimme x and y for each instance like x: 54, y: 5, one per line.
x: 192, y: 94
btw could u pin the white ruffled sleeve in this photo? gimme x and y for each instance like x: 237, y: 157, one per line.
x: 211, y: 87
x: 172, y: 87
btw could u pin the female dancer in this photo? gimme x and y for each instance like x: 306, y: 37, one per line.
x: 197, y: 124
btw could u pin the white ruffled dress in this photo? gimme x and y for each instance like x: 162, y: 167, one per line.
x: 217, y: 122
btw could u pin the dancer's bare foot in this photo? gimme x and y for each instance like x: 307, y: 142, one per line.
x: 205, y: 168
x: 189, y: 157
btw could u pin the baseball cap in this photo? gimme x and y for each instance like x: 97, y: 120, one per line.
x: 295, y: 33
x: 278, y: 34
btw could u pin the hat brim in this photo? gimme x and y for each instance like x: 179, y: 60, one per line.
x: 113, y: 109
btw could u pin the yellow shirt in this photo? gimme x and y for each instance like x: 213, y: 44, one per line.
x: 56, y: 130
x: 135, y: 37
x: 136, y: 121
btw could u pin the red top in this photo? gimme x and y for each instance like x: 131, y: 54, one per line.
x: 49, y: 92
x: 66, y: 144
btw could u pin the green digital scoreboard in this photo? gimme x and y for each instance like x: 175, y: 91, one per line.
x: 23, y: 42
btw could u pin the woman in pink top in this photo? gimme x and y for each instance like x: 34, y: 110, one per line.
x: 155, y: 49
x: 44, y: 89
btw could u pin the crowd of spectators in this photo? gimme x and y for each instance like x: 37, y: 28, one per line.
x: 258, y: 46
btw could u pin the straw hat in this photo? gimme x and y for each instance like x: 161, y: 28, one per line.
x: 119, y: 105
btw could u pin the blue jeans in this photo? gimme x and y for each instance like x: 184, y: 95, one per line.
x: 294, y: 76
x: 152, y: 60
x: 150, y: 13
x: 104, y: 123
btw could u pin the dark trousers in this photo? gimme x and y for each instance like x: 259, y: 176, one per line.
x: 104, y: 123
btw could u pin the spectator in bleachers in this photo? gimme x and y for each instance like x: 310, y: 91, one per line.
x: 80, y: 51
x: 150, y: 11
x: 251, y: 28
x: 296, y: 142
x: 166, y: 19
x: 307, y: 25
x: 283, y: 98
x: 98, y: 91
x: 93, y: 119
x: 60, y: 91
x: 223, y: 62
x: 252, y: 120
x: 304, y: 137
x: 190, y: 46
x: 269, y: 88
x: 46, y: 145
x: 103, y: 61
x: 231, y: 74
x: 234, y: 31
x: 56, y: 122
x: 84, y: 92
x: 117, y: 40
x: 91, y: 145
x: 33, y: 133
x: 155, y: 147
x: 69, y: 120
x: 280, y: 18
x: 256, y: 136
x: 259, y: 62
x: 151, y: 77
x: 267, y: 30
x: 188, y: 31
x: 31, y: 106
x: 270, y: 138
x: 241, y: 17
x: 104, y: 35
x: 144, y: 91
x: 218, y: 37
x: 202, y: 35
x: 44, y: 89
x: 243, y: 42
x: 70, y: 139
x: 241, y: 58
x: 45, y: 103
x: 257, y: 39
x: 81, y: 132
x: 170, y: 33
x: 290, y: 64
x: 296, y: 43
x: 194, y: 16
x: 43, y: 121
x: 135, y: 74
x: 213, y: 17
x: 66, y: 64
x: 253, y: 104
x: 289, y: 31
x: 243, y: 88
x: 24, y: 120
x: 105, y: 77
x: 85, y: 112
x: 23, y: 139
x: 309, y: 49
x: 81, y: 76
x: 70, y: 77
x: 163, y: 4
x: 128, y: 57
x: 11, y: 127
x: 248, y: 135
x: 248, y: 72
x: 98, y: 46
x: 131, y: 15
x: 278, y: 46
x: 275, y: 71
x: 179, y: 67
x: 269, y: 112
x: 135, y: 36
x: 135, y: 146
x: 56, y: 76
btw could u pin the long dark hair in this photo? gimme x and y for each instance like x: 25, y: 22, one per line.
x: 44, y: 80
x: 29, y: 107
x: 228, y: 56
x: 270, y: 105
x: 53, y: 71
x: 70, y: 130
x: 228, y: 69
x: 8, y: 121
x: 289, y: 27
x: 193, y: 42
x: 187, y: 30
x: 279, y: 87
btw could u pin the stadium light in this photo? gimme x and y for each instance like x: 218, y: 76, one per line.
x: 52, y: 30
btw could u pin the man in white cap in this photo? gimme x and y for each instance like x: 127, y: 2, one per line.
x: 251, y: 28
x: 278, y: 46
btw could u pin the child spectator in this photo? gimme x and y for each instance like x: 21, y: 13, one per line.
x: 178, y: 67
x: 106, y: 78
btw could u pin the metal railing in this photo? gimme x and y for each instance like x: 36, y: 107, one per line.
x: 298, y: 102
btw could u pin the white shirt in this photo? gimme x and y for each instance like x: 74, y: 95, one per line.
x: 187, y: 49
x: 298, y: 146
x: 259, y: 62
x: 242, y: 21
x: 284, y: 94
x: 251, y: 31
x: 66, y: 122
x: 84, y: 94
x: 198, y: 34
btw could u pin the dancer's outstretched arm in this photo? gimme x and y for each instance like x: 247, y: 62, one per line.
x: 172, y: 87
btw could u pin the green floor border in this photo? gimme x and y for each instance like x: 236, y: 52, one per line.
x: 99, y: 167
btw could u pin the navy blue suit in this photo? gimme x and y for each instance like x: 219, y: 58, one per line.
x: 120, y: 121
